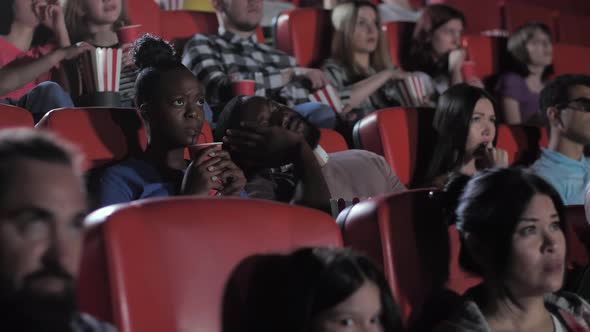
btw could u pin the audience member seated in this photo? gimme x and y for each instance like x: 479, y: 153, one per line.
x: 531, y: 56
x: 29, y: 57
x: 566, y: 102
x: 171, y: 103
x: 360, y: 68
x: 42, y: 208
x: 334, y: 289
x: 398, y: 11
x: 97, y: 22
x: 279, y: 153
x: 234, y: 51
x: 512, y: 227
x: 436, y: 50
x: 465, y: 121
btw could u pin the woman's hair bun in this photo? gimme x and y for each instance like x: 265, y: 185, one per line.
x: 152, y: 51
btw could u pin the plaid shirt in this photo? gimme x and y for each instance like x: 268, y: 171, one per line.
x: 87, y: 323
x: 212, y: 58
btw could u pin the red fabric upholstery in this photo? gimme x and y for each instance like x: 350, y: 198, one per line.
x: 332, y: 141
x: 571, y: 59
x: 518, y: 13
x: 573, y: 29
x: 405, y: 234
x: 481, y: 51
x: 168, y: 260
x: 403, y: 136
x: 391, y: 33
x: 521, y: 142
x: 481, y: 15
x: 146, y: 13
x: 103, y: 135
x: 12, y: 116
x: 306, y: 34
x: 579, y: 235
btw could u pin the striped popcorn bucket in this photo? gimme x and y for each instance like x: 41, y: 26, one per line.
x: 171, y: 4
x: 101, y: 69
x: 412, y: 91
x: 328, y: 96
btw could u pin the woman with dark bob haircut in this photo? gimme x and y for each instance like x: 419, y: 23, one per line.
x: 334, y: 289
x: 465, y: 121
x: 512, y: 226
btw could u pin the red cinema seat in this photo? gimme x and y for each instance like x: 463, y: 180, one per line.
x: 332, y: 141
x: 522, y: 143
x: 103, y: 135
x: 481, y: 15
x: 168, y: 260
x: 406, y: 235
x: 306, y: 34
x: 403, y: 136
x: 579, y: 237
x: 12, y: 116
x: 517, y: 13
x: 482, y: 51
x: 571, y: 59
x: 391, y: 33
x: 573, y: 29
x: 146, y: 13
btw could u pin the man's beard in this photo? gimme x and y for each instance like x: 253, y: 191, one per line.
x: 26, y: 309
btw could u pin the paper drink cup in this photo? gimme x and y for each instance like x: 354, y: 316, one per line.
x: 244, y: 87
x: 128, y: 34
x: 194, y: 149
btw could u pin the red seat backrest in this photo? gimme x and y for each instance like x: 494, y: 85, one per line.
x: 391, y: 33
x: 332, y: 141
x: 103, y: 135
x: 481, y: 15
x: 146, y: 13
x: 405, y: 234
x: 517, y: 13
x: 573, y: 29
x: 168, y: 260
x: 403, y: 136
x: 12, y: 116
x: 569, y: 59
x: 482, y: 51
x: 306, y: 34
x: 579, y: 235
x: 522, y: 143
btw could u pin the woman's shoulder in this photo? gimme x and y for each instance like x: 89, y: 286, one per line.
x: 332, y: 63
x: 466, y: 317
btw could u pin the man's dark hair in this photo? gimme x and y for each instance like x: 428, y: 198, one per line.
x: 25, y: 143
x: 557, y: 91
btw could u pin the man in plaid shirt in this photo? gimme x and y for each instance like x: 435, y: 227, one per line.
x: 235, y: 50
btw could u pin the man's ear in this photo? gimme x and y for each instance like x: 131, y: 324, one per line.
x: 218, y: 5
x: 553, y: 116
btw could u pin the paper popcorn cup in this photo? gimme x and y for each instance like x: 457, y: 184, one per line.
x: 328, y: 96
x: 412, y: 90
x: 171, y: 4
x: 101, y: 69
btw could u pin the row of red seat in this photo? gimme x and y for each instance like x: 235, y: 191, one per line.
x: 105, y: 135
x: 177, y: 264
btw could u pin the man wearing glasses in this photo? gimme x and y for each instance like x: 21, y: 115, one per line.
x: 566, y: 103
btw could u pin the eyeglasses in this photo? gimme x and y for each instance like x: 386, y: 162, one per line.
x: 579, y: 104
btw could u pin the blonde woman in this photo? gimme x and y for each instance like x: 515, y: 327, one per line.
x: 518, y: 89
x: 360, y: 67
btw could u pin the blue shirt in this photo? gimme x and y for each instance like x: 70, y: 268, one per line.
x: 568, y: 176
x: 133, y: 179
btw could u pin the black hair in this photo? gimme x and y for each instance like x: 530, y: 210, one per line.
x: 421, y: 53
x: 490, y: 209
x: 517, y: 53
x: 321, y: 278
x: 42, y: 34
x: 451, y: 122
x: 556, y: 92
x: 152, y: 56
x: 25, y: 143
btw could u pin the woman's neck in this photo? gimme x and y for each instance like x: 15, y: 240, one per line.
x: 468, y: 167
x: 362, y: 60
x: 20, y: 36
x: 502, y: 313
x: 164, y: 156
x: 102, y: 35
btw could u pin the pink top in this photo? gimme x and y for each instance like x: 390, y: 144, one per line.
x: 10, y: 53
